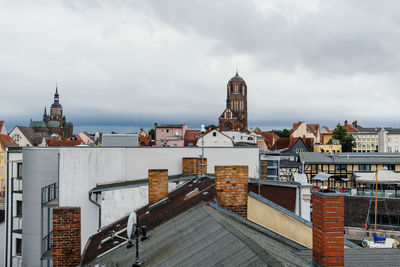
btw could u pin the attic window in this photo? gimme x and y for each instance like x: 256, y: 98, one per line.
x: 214, y: 134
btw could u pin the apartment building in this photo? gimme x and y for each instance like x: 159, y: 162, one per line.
x: 95, y: 179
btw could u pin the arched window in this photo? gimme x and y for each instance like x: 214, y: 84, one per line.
x: 16, y: 137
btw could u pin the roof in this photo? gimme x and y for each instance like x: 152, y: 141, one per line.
x: 349, y: 158
x: 384, y: 177
x: 236, y: 78
x: 170, y: 125
x: 30, y: 134
x: 43, y: 124
x: 269, y: 138
x: 6, y: 141
x: 207, y: 236
x: 54, y: 142
x: 144, y: 140
x: 282, y: 142
x: 176, y: 204
x: 191, y: 136
x: 1, y: 124
x: 313, y: 128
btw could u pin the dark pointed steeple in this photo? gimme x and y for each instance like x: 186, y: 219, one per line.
x: 56, y: 96
x: 45, y: 114
x: 228, y: 102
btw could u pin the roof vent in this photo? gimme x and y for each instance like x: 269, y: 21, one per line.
x: 192, y: 193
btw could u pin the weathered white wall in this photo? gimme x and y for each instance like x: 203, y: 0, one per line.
x: 219, y: 140
x: 81, y: 168
x: 126, y: 200
x: 23, y: 141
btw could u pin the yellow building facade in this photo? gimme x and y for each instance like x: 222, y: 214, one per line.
x: 327, y: 148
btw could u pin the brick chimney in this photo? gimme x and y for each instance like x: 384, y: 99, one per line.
x: 66, y: 236
x: 158, y: 185
x: 231, y: 183
x: 198, y: 166
x: 328, y: 229
x: 189, y: 165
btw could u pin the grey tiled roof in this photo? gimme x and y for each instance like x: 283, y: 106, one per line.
x: 349, y: 158
x: 204, y: 236
x: 43, y: 124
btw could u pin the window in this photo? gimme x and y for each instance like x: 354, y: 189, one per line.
x: 340, y: 167
x: 18, y: 246
x: 389, y: 167
x: 167, y: 130
x: 250, y: 138
x: 19, y: 170
x: 272, y: 163
x: 271, y: 171
x: 16, y: 137
x: 190, y: 144
x: 19, y: 208
x: 364, y: 167
x: 214, y: 134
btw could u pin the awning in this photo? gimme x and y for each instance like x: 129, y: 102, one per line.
x: 322, y: 176
x: 384, y: 177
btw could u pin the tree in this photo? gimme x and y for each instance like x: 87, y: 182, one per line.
x: 282, y: 133
x: 346, y: 140
x: 152, y: 133
x: 212, y: 126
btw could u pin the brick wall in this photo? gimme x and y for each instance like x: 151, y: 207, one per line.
x: 264, y: 169
x: 328, y: 228
x: 66, y: 236
x: 189, y: 165
x: 231, y: 185
x: 158, y: 185
x: 198, y: 166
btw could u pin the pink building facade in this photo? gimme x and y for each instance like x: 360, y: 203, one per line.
x: 170, y: 135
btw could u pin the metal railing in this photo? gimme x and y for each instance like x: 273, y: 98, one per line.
x: 47, y: 243
x: 49, y: 193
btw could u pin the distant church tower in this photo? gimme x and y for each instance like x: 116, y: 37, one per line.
x: 234, y: 118
x: 56, y: 109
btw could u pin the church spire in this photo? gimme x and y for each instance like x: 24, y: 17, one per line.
x: 56, y: 96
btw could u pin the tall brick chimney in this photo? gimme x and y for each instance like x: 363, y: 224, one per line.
x: 158, y: 185
x: 231, y: 183
x: 66, y: 236
x: 328, y: 229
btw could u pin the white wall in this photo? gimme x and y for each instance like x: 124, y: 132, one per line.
x: 81, y: 168
x: 23, y: 141
x: 126, y: 200
x: 219, y: 140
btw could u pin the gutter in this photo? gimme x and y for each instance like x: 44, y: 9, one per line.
x: 98, y: 205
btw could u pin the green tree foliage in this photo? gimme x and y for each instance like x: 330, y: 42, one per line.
x: 212, y: 126
x: 346, y: 140
x: 152, y: 133
x: 282, y: 133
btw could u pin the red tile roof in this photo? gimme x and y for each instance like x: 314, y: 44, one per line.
x: 269, y: 138
x: 144, y: 140
x: 282, y: 143
x: 191, y: 136
x: 54, y: 142
x: 1, y: 124
x: 6, y: 141
x: 313, y: 127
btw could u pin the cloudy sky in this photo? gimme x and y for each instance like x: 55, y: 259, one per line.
x: 123, y: 63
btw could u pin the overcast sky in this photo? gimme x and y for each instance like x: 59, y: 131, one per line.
x: 140, y: 62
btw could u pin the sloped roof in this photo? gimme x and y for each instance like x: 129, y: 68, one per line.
x: 1, y: 124
x: 144, y: 140
x: 313, y: 128
x: 269, y: 138
x: 283, y: 142
x: 54, y: 142
x: 6, y: 141
x: 43, y: 124
x: 34, y: 138
x: 191, y: 136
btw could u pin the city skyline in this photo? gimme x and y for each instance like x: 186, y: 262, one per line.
x: 133, y: 64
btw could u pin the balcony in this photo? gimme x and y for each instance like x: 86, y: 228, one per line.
x: 47, y: 247
x: 50, y: 195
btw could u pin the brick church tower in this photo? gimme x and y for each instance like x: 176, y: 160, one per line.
x: 234, y: 117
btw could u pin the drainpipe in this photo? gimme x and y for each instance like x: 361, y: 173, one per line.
x: 98, y: 205
x: 299, y: 186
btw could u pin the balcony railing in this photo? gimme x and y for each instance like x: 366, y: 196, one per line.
x: 50, y: 195
x: 47, y: 246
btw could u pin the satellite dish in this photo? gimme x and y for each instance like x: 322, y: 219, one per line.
x: 131, y: 226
